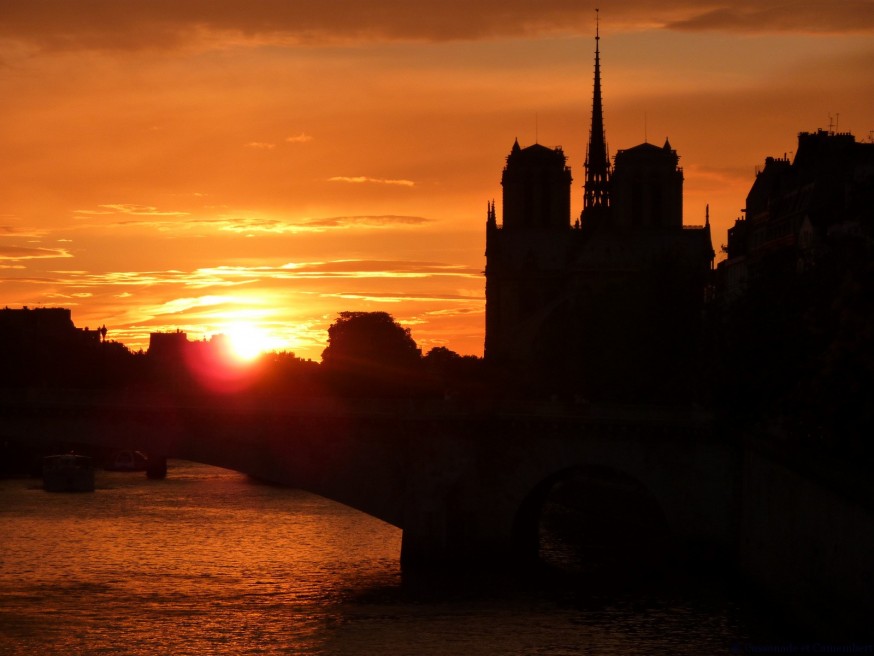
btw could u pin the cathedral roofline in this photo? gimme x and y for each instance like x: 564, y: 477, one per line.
x: 535, y: 155
x: 537, y: 149
x: 649, y: 151
x: 644, y: 147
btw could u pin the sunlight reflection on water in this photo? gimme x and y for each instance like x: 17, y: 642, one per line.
x: 204, y: 562
x: 209, y: 562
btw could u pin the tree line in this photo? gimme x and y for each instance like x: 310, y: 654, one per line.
x: 368, y: 354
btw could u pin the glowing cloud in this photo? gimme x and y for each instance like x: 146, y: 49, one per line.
x: 128, y: 209
x: 299, y: 138
x: 29, y: 253
x: 360, y: 179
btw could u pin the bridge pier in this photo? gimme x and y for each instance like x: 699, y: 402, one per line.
x: 156, y: 467
x: 430, y: 543
x: 422, y: 545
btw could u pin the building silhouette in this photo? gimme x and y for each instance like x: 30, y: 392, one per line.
x: 794, y: 298
x: 801, y: 211
x: 606, y: 306
x: 168, y: 346
x: 33, y: 328
x: 41, y: 347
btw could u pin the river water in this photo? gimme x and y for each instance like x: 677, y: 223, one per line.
x: 210, y: 562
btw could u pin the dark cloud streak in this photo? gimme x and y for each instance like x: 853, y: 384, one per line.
x: 112, y: 25
x: 847, y: 16
x: 169, y: 24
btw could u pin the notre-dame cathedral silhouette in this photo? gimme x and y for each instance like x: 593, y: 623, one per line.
x: 608, y: 306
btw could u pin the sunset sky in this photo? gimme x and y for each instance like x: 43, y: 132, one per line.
x: 206, y: 164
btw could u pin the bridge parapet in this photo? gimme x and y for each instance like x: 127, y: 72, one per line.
x: 580, y: 412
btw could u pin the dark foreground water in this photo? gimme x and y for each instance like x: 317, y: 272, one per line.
x: 209, y: 562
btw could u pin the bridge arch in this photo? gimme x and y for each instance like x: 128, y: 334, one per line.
x: 465, y: 484
x: 591, y: 519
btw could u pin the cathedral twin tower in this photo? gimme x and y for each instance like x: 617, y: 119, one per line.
x: 606, y: 306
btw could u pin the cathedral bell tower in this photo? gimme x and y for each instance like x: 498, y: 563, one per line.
x: 537, y: 189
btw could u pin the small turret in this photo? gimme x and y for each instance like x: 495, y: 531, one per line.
x: 491, y: 218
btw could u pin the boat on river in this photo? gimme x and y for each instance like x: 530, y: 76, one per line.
x: 68, y: 472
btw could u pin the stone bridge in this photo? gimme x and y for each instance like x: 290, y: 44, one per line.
x: 464, y: 482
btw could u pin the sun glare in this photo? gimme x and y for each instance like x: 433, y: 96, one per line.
x: 247, y: 341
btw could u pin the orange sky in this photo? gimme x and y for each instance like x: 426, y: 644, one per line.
x: 198, y: 164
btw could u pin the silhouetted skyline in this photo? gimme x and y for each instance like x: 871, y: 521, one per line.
x: 205, y: 168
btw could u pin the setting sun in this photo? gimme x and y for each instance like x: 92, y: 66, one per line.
x: 247, y: 341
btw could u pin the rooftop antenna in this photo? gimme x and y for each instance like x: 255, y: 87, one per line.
x: 831, y: 124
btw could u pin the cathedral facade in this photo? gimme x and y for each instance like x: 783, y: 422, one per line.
x: 608, y: 304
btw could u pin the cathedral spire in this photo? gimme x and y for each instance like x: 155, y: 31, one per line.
x: 596, y: 198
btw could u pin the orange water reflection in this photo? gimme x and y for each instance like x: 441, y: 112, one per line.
x: 204, y: 562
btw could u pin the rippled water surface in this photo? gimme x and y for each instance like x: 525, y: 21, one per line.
x: 209, y: 562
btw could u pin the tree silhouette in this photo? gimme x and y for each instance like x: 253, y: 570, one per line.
x: 450, y: 374
x: 370, y: 353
